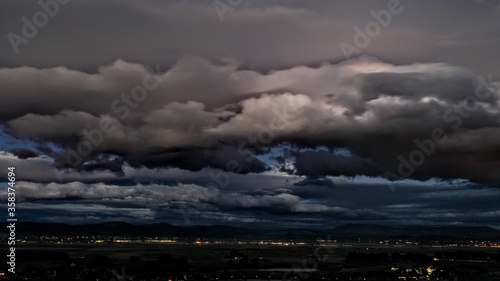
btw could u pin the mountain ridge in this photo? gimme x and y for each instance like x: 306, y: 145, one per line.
x: 341, y: 232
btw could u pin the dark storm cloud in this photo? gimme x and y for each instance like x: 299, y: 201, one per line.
x: 103, y: 163
x: 323, y: 163
x: 197, y: 159
x: 158, y: 195
x: 112, y: 169
x: 24, y: 153
x: 316, y: 182
x: 198, y: 104
x: 302, y: 33
x: 378, y: 111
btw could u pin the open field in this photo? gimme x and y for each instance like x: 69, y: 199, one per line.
x: 274, y: 261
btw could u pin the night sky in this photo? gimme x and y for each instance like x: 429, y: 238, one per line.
x: 252, y: 113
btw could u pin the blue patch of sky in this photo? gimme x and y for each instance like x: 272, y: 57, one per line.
x: 9, y: 142
x: 284, y: 149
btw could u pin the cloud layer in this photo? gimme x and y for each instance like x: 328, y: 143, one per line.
x: 200, y: 114
x: 161, y: 108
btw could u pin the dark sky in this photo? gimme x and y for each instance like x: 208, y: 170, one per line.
x: 252, y: 113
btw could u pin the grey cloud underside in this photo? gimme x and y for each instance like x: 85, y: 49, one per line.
x: 202, y: 114
x: 261, y: 34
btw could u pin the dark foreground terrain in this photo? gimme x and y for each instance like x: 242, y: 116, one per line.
x: 251, y: 261
x: 121, y: 251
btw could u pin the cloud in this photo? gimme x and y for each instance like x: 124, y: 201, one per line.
x: 375, y: 110
x: 302, y: 33
x: 164, y: 98
x: 301, y: 206
x: 24, y: 153
x: 162, y: 195
x: 316, y: 182
x: 322, y: 163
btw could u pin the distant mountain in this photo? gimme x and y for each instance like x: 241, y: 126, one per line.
x: 422, y: 233
x: 346, y: 232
